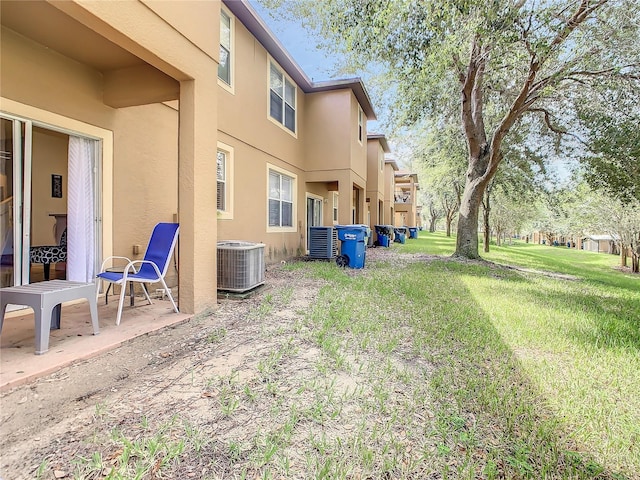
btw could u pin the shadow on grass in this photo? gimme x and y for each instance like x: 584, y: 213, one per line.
x: 614, y: 320
x: 587, y: 265
x: 613, y: 311
x: 481, y: 388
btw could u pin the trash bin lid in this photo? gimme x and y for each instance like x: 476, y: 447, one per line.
x: 355, y: 234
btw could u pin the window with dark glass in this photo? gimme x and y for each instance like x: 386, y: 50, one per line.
x: 282, y: 98
x: 224, y: 67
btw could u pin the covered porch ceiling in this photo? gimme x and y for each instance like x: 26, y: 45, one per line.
x: 128, y: 80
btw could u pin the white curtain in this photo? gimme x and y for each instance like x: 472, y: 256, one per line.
x: 80, y: 211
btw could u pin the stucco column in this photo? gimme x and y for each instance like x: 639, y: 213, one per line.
x: 345, y: 201
x: 197, y: 193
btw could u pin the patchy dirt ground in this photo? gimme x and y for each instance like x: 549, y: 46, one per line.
x: 154, y: 376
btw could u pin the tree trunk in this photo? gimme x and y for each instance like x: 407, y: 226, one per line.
x: 432, y: 225
x: 623, y: 255
x: 467, y: 239
x: 486, y: 210
x: 448, y: 226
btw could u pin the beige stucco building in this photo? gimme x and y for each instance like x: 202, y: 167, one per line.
x: 406, y: 198
x: 185, y: 111
x: 293, y: 151
x: 377, y: 146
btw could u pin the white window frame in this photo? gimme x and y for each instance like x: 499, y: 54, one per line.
x: 230, y: 87
x: 294, y: 197
x: 227, y: 213
x: 285, y: 80
x: 334, y: 207
x: 361, y: 132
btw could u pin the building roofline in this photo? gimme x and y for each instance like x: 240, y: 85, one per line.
x: 382, y: 139
x: 259, y: 29
x: 356, y: 85
x: 392, y: 162
x: 407, y: 173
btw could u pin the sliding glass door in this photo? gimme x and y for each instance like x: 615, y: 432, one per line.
x: 48, y: 187
x: 15, y: 199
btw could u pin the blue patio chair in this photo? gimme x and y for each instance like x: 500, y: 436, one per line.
x: 151, y: 269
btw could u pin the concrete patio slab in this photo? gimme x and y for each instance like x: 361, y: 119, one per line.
x: 74, y: 341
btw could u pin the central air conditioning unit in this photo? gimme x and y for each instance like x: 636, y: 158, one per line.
x: 323, y: 242
x: 240, y: 265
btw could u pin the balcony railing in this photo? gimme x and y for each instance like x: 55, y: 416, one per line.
x: 402, y: 198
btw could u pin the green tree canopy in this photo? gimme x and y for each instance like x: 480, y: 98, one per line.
x: 611, y: 118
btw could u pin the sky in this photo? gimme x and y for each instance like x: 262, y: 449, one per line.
x: 317, y: 64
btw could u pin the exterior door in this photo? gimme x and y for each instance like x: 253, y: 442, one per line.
x: 314, y: 215
x: 26, y: 214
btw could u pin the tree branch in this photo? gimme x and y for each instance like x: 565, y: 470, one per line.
x: 477, y: 97
x: 468, y: 84
x: 580, y: 15
x: 547, y: 120
x: 509, y: 119
x: 605, y: 71
x: 529, y: 93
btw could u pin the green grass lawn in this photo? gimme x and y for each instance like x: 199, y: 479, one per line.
x: 574, y: 339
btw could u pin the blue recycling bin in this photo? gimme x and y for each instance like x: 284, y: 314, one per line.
x: 367, y: 231
x: 353, y: 240
x: 384, y: 233
x: 400, y: 235
x: 413, y: 232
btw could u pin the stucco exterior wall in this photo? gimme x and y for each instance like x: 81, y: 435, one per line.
x: 375, y: 182
x: 192, y: 18
x: 324, y: 155
x: 375, y: 159
x: 257, y: 142
x: 250, y: 201
x: 161, y: 42
x: 358, y: 147
x: 39, y: 84
x: 244, y: 114
x: 145, y: 171
x: 144, y: 188
x: 329, y: 127
x: 389, y: 188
